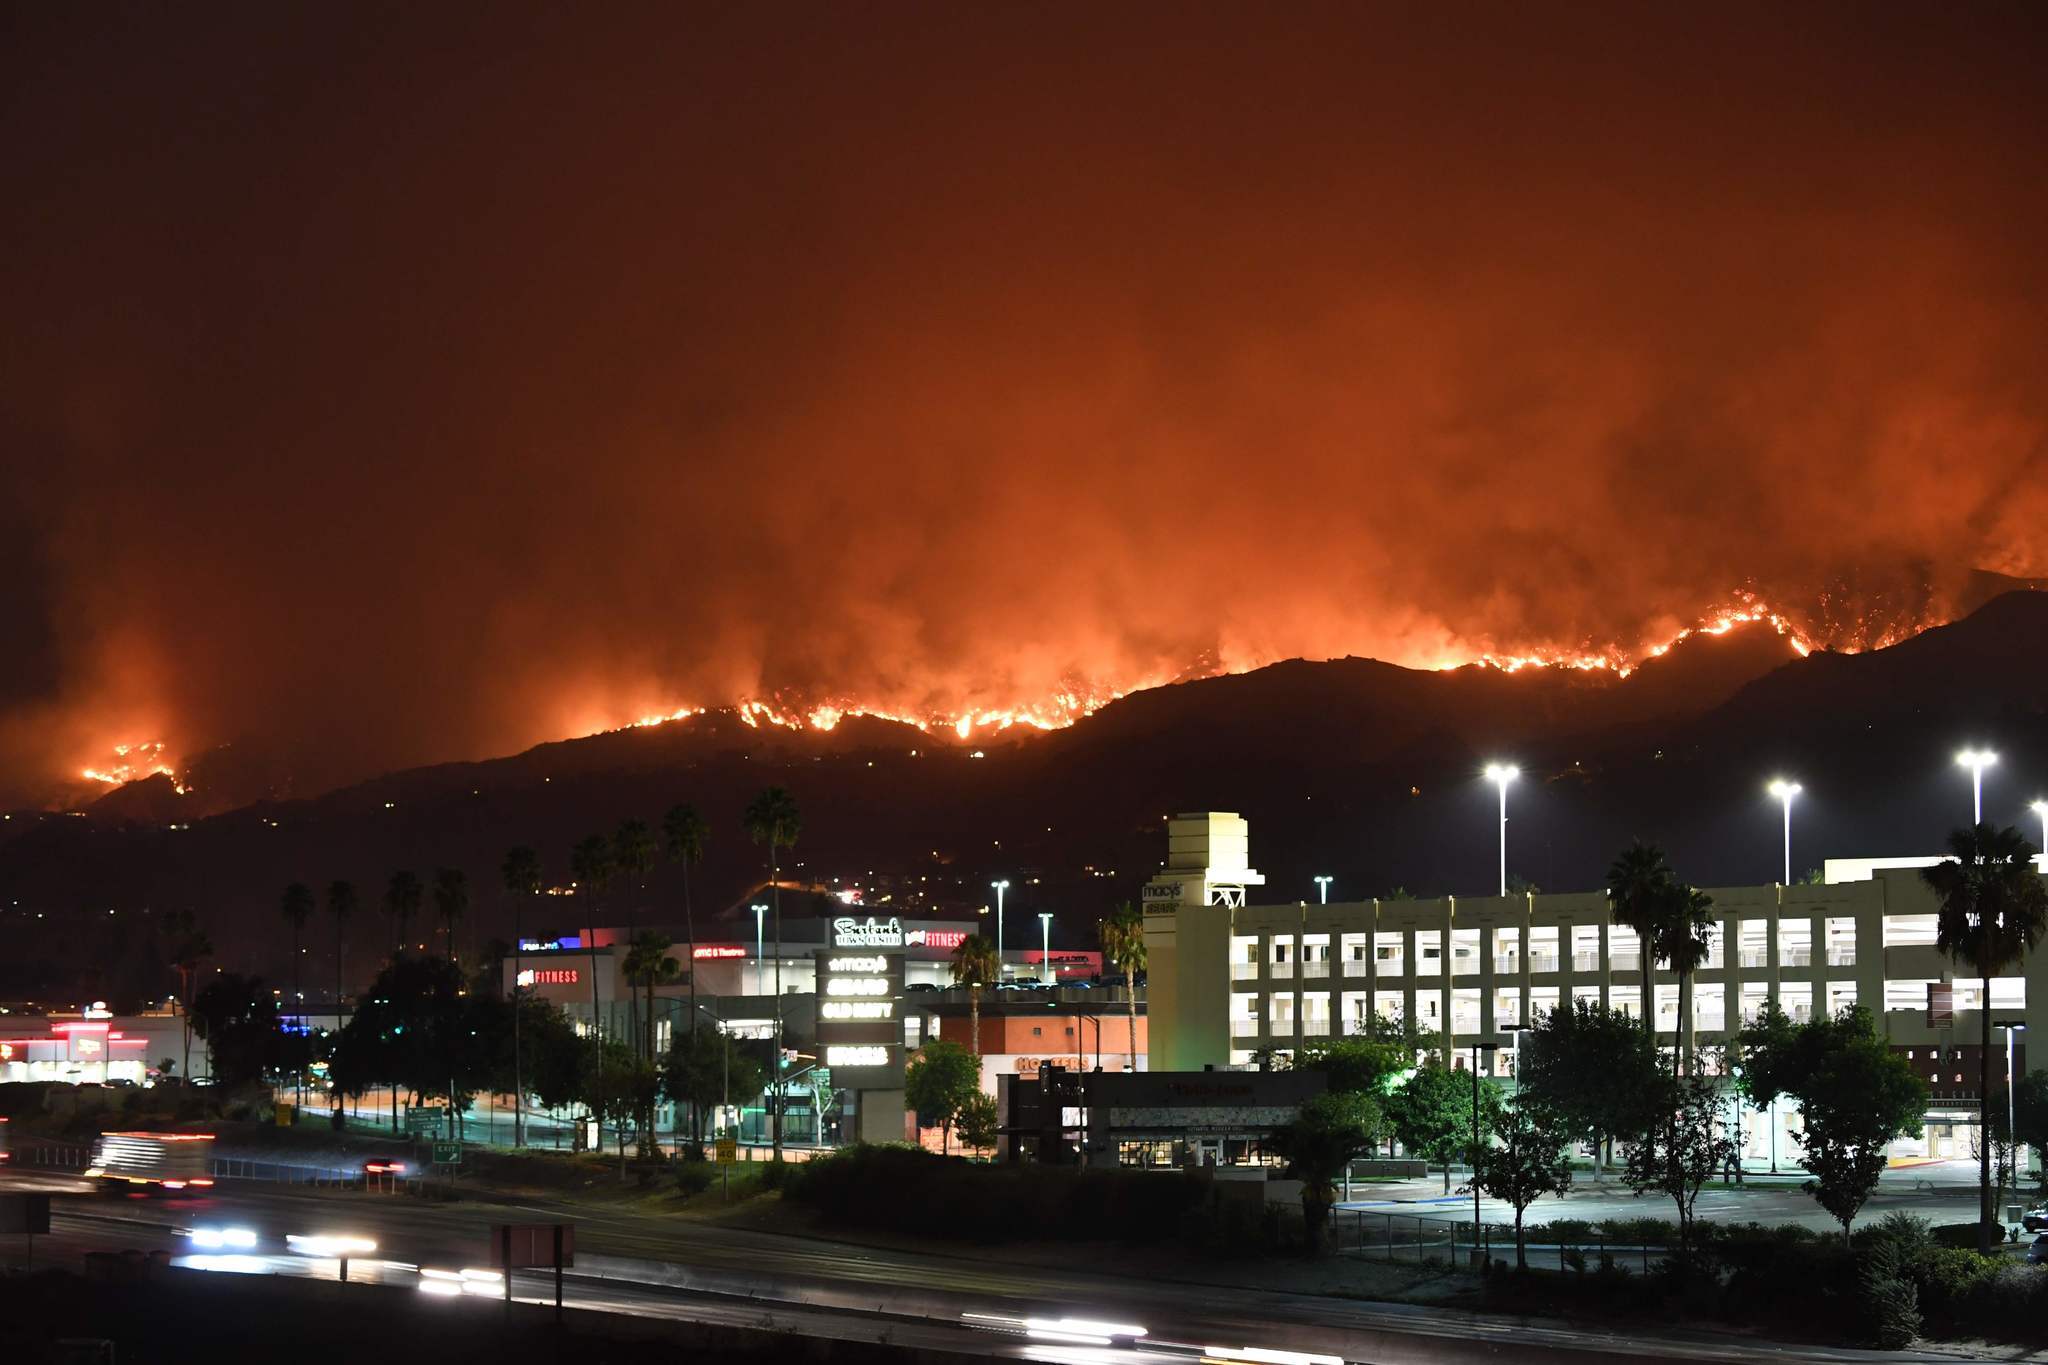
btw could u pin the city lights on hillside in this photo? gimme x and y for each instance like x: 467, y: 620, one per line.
x: 1500, y: 774
x: 1785, y: 791
x: 1976, y: 760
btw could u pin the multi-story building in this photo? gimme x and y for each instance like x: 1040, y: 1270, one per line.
x: 1229, y: 979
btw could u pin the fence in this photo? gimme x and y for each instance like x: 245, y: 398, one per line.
x: 1416, y: 1239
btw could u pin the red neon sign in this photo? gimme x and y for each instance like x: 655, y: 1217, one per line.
x: 708, y: 951
x: 944, y: 938
x: 555, y: 976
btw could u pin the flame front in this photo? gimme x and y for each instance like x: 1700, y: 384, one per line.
x: 133, y: 763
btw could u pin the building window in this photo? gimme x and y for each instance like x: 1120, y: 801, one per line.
x: 1911, y: 931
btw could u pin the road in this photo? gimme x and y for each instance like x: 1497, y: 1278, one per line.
x: 647, y: 1264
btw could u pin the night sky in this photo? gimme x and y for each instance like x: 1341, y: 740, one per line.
x: 387, y: 384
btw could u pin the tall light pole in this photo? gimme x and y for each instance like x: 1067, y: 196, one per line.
x: 1000, y: 887
x: 1500, y: 774
x: 2012, y: 1142
x: 1976, y: 760
x: 1478, y: 1256
x: 2040, y: 808
x: 1045, y: 972
x: 1323, y: 885
x: 759, y: 911
x: 1785, y: 791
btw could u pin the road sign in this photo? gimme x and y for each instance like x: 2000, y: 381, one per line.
x: 287, y: 1114
x: 447, y: 1154
x: 422, y: 1121
x: 29, y: 1213
x: 526, y: 1245
x: 728, y: 1151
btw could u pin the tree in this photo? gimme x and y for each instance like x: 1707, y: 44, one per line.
x: 1671, y: 923
x: 1685, y: 1144
x: 402, y: 897
x: 2029, y: 1106
x: 773, y: 819
x: 706, y: 1069
x: 1592, y: 1067
x: 623, y: 1090
x: 591, y: 864
x: 975, y: 965
x: 451, y: 903
x: 1529, y: 1162
x: 1856, y: 1095
x: 980, y: 1122
x: 1319, y: 1144
x: 633, y: 855
x: 940, y: 1079
x: 649, y: 967
x: 240, y: 1021
x: 341, y: 908
x: 295, y: 907
x: 1432, y: 1114
x: 1357, y: 1066
x: 1993, y: 907
x: 186, y: 947
x: 1123, y: 947
x: 1762, y: 1057
x: 520, y: 872
x: 416, y: 1028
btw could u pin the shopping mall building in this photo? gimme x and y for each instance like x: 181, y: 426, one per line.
x: 1230, y: 977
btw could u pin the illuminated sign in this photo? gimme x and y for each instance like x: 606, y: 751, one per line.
x: 848, y: 932
x: 6, y: 1052
x: 856, y: 985
x: 87, y: 1047
x: 936, y: 938
x: 877, y: 965
x: 551, y: 976
x: 706, y: 952
x: 860, y: 1054
x: 857, y: 1009
x: 550, y: 945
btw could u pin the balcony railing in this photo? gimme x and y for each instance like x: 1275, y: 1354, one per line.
x: 1280, y: 969
x: 1586, y: 962
x: 1543, y: 962
x: 1244, y: 971
x: 1712, y: 1023
x: 1356, y: 966
x: 1281, y: 1028
x: 1507, y: 964
x: 1795, y: 957
x: 1315, y: 1028
x: 1841, y: 957
x: 1317, y: 969
x: 1755, y: 957
x: 1244, y: 1028
x: 1625, y: 962
x: 1390, y: 966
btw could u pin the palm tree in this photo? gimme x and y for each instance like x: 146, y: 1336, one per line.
x: 1689, y: 924
x: 341, y: 907
x: 648, y: 967
x: 684, y: 832
x: 773, y: 819
x: 975, y: 965
x: 633, y: 854
x: 402, y: 897
x: 451, y: 901
x: 1671, y: 924
x: 1993, y: 908
x: 591, y: 864
x: 521, y: 874
x: 296, y: 907
x: 189, y: 946
x: 1123, y: 947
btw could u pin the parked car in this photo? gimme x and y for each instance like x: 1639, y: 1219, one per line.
x: 2038, y: 1252
x: 2035, y: 1220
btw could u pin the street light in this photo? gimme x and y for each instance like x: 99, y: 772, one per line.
x: 2040, y: 808
x: 1000, y: 888
x: 1488, y: 1049
x: 1323, y: 885
x: 2012, y: 1144
x: 759, y: 911
x: 1976, y: 760
x: 1785, y: 791
x: 1045, y: 973
x: 1500, y: 774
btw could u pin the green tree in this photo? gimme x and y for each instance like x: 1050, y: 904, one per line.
x: 1763, y: 1063
x: 1319, y: 1144
x: 773, y: 819
x: 633, y: 854
x: 975, y: 965
x: 186, y: 947
x: 1671, y: 922
x: 590, y: 862
x: 625, y: 1088
x: 243, y: 1028
x: 1529, y: 1162
x: 1432, y: 1114
x: 706, y: 1068
x: 980, y: 1122
x: 1591, y: 1066
x: 451, y: 903
x: 1856, y: 1095
x: 1993, y: 907
x: 296, y: 907
x: 341, y: 908
x: 941, y: 1078
x: 648, y: 968
x: 2029, y: 1106
x: 412, y: 1028
x: 402, y: 897
x: 1357, y: 1066
x: 683, y: 834
x: 1684, y: 1145
x: 1123, y: 947
x: 520, y: 873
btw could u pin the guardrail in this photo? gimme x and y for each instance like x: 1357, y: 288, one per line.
x: 1418, y: 1239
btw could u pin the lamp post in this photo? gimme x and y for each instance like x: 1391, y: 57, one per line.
x: 1323, y: 886
x: 759, y: 911
x: 1488, y: 1049
x: 1976, y: 760
x: 2040, y: 808
x: 1000, y: 888
x: 1785, y: 791
x: 2012, y: 1143
x: 1500, y: 774
x: 1045, y: 972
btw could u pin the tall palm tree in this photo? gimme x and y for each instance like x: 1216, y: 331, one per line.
x: 187, y: 947
x: 1671, y: 924
x: 683, y: 832
x: 341, y: 907
x: 773, y: 819
x: 451, y: 901
x: 1993, y: 908
x: 1123, y: 947
x: 591, y: 864
x: 296, y: 907
x: 402, y: 897
x: 633, y: 855
x: 975, y: 965
x: 647, y: 968
x: 521, y: 874
x: 1689, y: 923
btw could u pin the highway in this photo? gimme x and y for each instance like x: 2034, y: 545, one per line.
x: 650, y: 1265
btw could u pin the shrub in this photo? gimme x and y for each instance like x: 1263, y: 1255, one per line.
x: 776, y: 1174
x: 694, y: 1177
x: 1944, y: 1277
x: 1887, y: 1299
x: 1963, y: 1236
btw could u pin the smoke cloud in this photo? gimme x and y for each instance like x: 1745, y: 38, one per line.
x: 397, y: 385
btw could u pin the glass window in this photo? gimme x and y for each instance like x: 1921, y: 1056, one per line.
x: 1428, y: 953
x: 1910, y: 931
